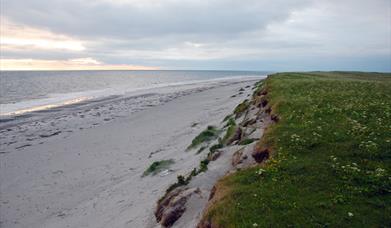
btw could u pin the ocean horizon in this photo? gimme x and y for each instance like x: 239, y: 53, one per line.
x: 27, y: 91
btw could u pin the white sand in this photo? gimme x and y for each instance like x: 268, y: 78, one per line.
x: 92, y: 177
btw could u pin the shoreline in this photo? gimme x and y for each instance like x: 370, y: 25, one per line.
x: 92, y: 177
x: 61, y: 100
x: 27, y: 129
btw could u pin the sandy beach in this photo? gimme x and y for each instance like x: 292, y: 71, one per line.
x: 88, y: 173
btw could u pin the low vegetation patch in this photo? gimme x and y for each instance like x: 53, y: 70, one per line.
x: 246, y: 141
x: 202, y: 148
x: 241, y: 108
x: 227, y: 117
x: 158, y: 166
x: 229, y: 133
x: 215, y: 147
x: 331, y: 156
x: 194, y: 124
x: 205, y: 136
x: 230, y: 122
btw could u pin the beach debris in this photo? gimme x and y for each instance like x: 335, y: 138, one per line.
x: 165, y: 172
x: 49, y: 135
x: 155, y: 152
x: 22, y: 146
x: 58, y: 172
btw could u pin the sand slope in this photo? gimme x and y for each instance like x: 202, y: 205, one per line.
x: 92, y: 178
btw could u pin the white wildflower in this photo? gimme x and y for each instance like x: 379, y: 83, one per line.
x: 260, y: 171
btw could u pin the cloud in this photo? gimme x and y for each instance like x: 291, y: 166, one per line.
x: 71, y: 64
x: 138, y: 19
x: 14, y: 37
x: 251, y: 34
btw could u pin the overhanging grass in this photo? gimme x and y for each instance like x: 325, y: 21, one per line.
x: 332, y: 152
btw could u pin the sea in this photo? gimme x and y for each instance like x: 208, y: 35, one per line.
x: 23, y: 92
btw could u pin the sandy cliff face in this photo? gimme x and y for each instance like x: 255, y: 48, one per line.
x: 186, y: 206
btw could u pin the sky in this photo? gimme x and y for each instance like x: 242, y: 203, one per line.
x: 267, y: 35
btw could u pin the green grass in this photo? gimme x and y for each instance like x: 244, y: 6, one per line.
x: 331, y: 158
x: 203, y: 165
x: 205, y: 136
x: 239, y: 110
x: 227, y: 117
x: 229, y: 133
x: 202, y: 148
x: 230, y: 122
x: 246, y: 141
x: 215, y: 147
x: 158, y: 166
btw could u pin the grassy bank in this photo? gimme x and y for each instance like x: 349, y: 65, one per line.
x: 331, y: 156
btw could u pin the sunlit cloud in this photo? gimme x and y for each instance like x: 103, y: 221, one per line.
x: 16, y: 36
x: 71, y: 64
x: 85, y: 61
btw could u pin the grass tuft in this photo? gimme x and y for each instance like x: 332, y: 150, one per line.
x: 227, y: 117
x: 230, y: 122
x: 203, y: 165
x: 246, y: 141
x: 158, y: 166
x: 229, y: 133
x: 241, y: 108
x: 205, y: 136
x: 215, y: 147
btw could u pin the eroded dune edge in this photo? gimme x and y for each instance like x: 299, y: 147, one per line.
x: 230, y: 146
x: 306, y: 149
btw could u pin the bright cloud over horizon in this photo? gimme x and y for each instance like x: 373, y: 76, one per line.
x: 189, y: 34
